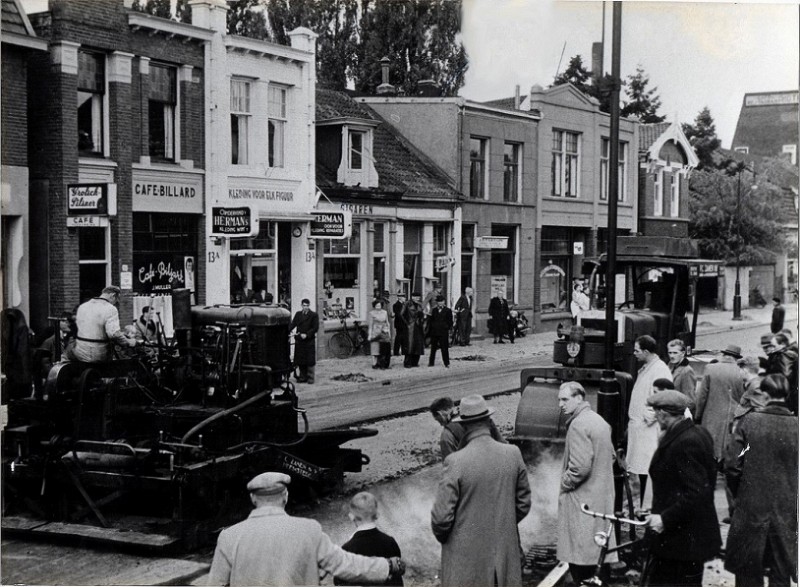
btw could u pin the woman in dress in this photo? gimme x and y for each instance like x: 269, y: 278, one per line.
x: 379, y: 335
x: 683, y: 376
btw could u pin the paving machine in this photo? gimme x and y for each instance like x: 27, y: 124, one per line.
x: 656, y: 279
x: 155, y: 449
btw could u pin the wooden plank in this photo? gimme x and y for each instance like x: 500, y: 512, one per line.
x: 113, y: 535
x: 555, y: 576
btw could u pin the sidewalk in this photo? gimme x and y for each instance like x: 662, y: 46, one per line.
x: 341, y: 375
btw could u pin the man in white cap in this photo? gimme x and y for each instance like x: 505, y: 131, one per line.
x: 271, y: 547
x: 483, y: 495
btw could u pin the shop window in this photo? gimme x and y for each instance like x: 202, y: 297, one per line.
x: 622, y: 183
x: 565, y: 165
x: 93, y: 265
x: 240, y: 121
x: 162, y: 107
x: 265, y: 240
x: 511, y: 175
x: 503, y: 263
x: 341, y: 272
x: 162, y: 243
x: 276, y: 125
x: 556, y: 255
x: 467, y: 254
x: 91, y: 102
x: 658, y: 193
x: 675, y: 195
x: 477, y: 168
x: 412, y: 249
x: 379, y: 257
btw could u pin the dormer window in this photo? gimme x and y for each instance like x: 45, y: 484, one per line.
x: 357, y: 163
x: 357, y: 149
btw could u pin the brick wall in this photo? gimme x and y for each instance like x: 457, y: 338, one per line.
x: 14, y: 107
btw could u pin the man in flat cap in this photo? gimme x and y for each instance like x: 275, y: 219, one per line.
x: 439, y: 325
x: 271, y: 547
x: 482, y: 496
x: 683, y: 473
x: 98, y: 327
x: 306, y: 324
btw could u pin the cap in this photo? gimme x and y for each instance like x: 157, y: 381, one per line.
x: 268, y: 483
x: 766, y: 339
x: 472, y: 408
x: 669, y: 400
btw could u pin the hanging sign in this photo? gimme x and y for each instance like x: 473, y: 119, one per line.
x: 232, y: 222
x: 91, y: 199
x: 331, y: 225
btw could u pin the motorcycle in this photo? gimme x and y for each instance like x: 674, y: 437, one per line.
x: 519, y: 322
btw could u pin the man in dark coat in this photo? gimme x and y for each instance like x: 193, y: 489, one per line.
x: 441, y: 321
x: 498, y: 312
x: 306, y: 322
x: 463, y: 309
x: 445, y: 412
x: 778, y: 315
x: 761, y: 467
x: 413, y: 319
x: 782, y: 360
x: 399, y: 325
x: 683, y: 472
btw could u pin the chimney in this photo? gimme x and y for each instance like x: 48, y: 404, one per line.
x: 428, y: 88
x: 516, y: 97
x: 597, y: 62
x: 209, y: 14
x: 385, y: 88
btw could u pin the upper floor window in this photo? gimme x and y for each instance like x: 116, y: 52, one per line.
x: 566, y: 163
x: 622, y: 176
x: 240, y: 121
x: 511, y: 175
x: 162, y: 107
x: 440, y: 238
x: 91, y: 100
x: 276, y: 111
x: 791, y: 151
x: 356, y: 149
x: 744, y: 150
x: 658, y: 193
x: 477, y: 168
x: 675, y: 195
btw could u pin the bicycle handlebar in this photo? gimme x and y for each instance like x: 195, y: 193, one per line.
x: 585, y: 509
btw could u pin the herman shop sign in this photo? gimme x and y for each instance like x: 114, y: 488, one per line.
x: 232, y: 222
x: 331, y: 225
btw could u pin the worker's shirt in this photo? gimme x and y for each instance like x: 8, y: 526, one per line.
x: 98, y: 326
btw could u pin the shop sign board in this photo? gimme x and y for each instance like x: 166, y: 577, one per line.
x: 331, y: 225
x: 491, y: 242
x: 90, y: 199
x: 87, y: 221
x: 233, y: 222
x: 158, y: 272
x: 443, y: 264
x: 174, y: 193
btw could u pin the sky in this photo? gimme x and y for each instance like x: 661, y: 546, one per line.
x: 696, y: 54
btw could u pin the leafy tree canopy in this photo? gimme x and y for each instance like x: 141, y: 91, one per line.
x: 642, y: 103
x: 161, y: 8
x: 703, y: 137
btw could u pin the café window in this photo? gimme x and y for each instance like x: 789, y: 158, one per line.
x: 556, y: 255
x: 341, y: 274
x: 94, y: 248
x: 161, y: 243
x: 162, y: 106
x: 412, y: 250
x: 276, y: 125
x: 240, y: 121
x: 503, y: 262
x: 565, y: 164
x: 622, y: 177
x: 511, y: 175
x: 477, y: 168
x: 91, y: 103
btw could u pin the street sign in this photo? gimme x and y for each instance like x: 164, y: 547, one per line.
x: 331, y: 225
x: 233, y: 222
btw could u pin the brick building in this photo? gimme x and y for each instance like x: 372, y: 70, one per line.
x: 19, y: 42
x: 117, y: 152
x: 768, y: 125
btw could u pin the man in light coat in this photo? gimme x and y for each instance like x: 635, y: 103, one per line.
x: 98, y: 328
x: 586, y: 477
x: 483, y: 495
x: 271, y: 547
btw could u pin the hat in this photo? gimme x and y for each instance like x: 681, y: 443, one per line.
x: 766, y: 339
x: 439, y: 298
x: 416, y: 293
x: 669, y: 400
x: 400, y: 293
x: 473, y: 408
x: 748, y: 361
x: 386, y: 292
x: 268, y: 483
x: 732, y: 350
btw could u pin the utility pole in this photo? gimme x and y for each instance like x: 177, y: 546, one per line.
x: 613, y: 181
x: 737, y: 288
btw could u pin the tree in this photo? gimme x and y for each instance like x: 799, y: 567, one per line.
x: 642, y: 104
x: 247, y: 19
x: 703, y: 137
x: 161, y: 8
x: 575, y: 74
x: 737, y: 215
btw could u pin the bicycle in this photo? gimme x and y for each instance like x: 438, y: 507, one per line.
x: 343, y: 344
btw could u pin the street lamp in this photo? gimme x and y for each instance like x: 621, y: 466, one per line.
x: 737, y: 288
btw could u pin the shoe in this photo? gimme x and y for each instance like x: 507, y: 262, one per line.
x: 511, y: 341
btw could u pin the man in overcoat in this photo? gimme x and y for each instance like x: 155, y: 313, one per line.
x: 482, y: 496
x: 587, y: 476
x: 306, y: 323
x: 399, y: 325
x: 498, y: 312
x: 272, y: 548
x: 761, y: 468
x: 684, y: 518
x: 441, y: 321
x: 463, y: 310
x: 413, y: 319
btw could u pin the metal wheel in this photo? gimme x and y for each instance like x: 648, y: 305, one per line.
x: 340, y: 345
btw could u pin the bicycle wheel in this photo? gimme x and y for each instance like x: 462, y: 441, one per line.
x: 340, y: 345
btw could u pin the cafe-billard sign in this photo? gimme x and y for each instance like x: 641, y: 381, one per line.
x: 332, y: 225
x: 232, y: 222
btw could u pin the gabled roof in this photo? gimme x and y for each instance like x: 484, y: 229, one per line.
x: 15, y: 20
x: 562, y: 90
x: 648, y: 133
x: 504, y: 103
x: 403, y: 171
x: 672, y: 132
